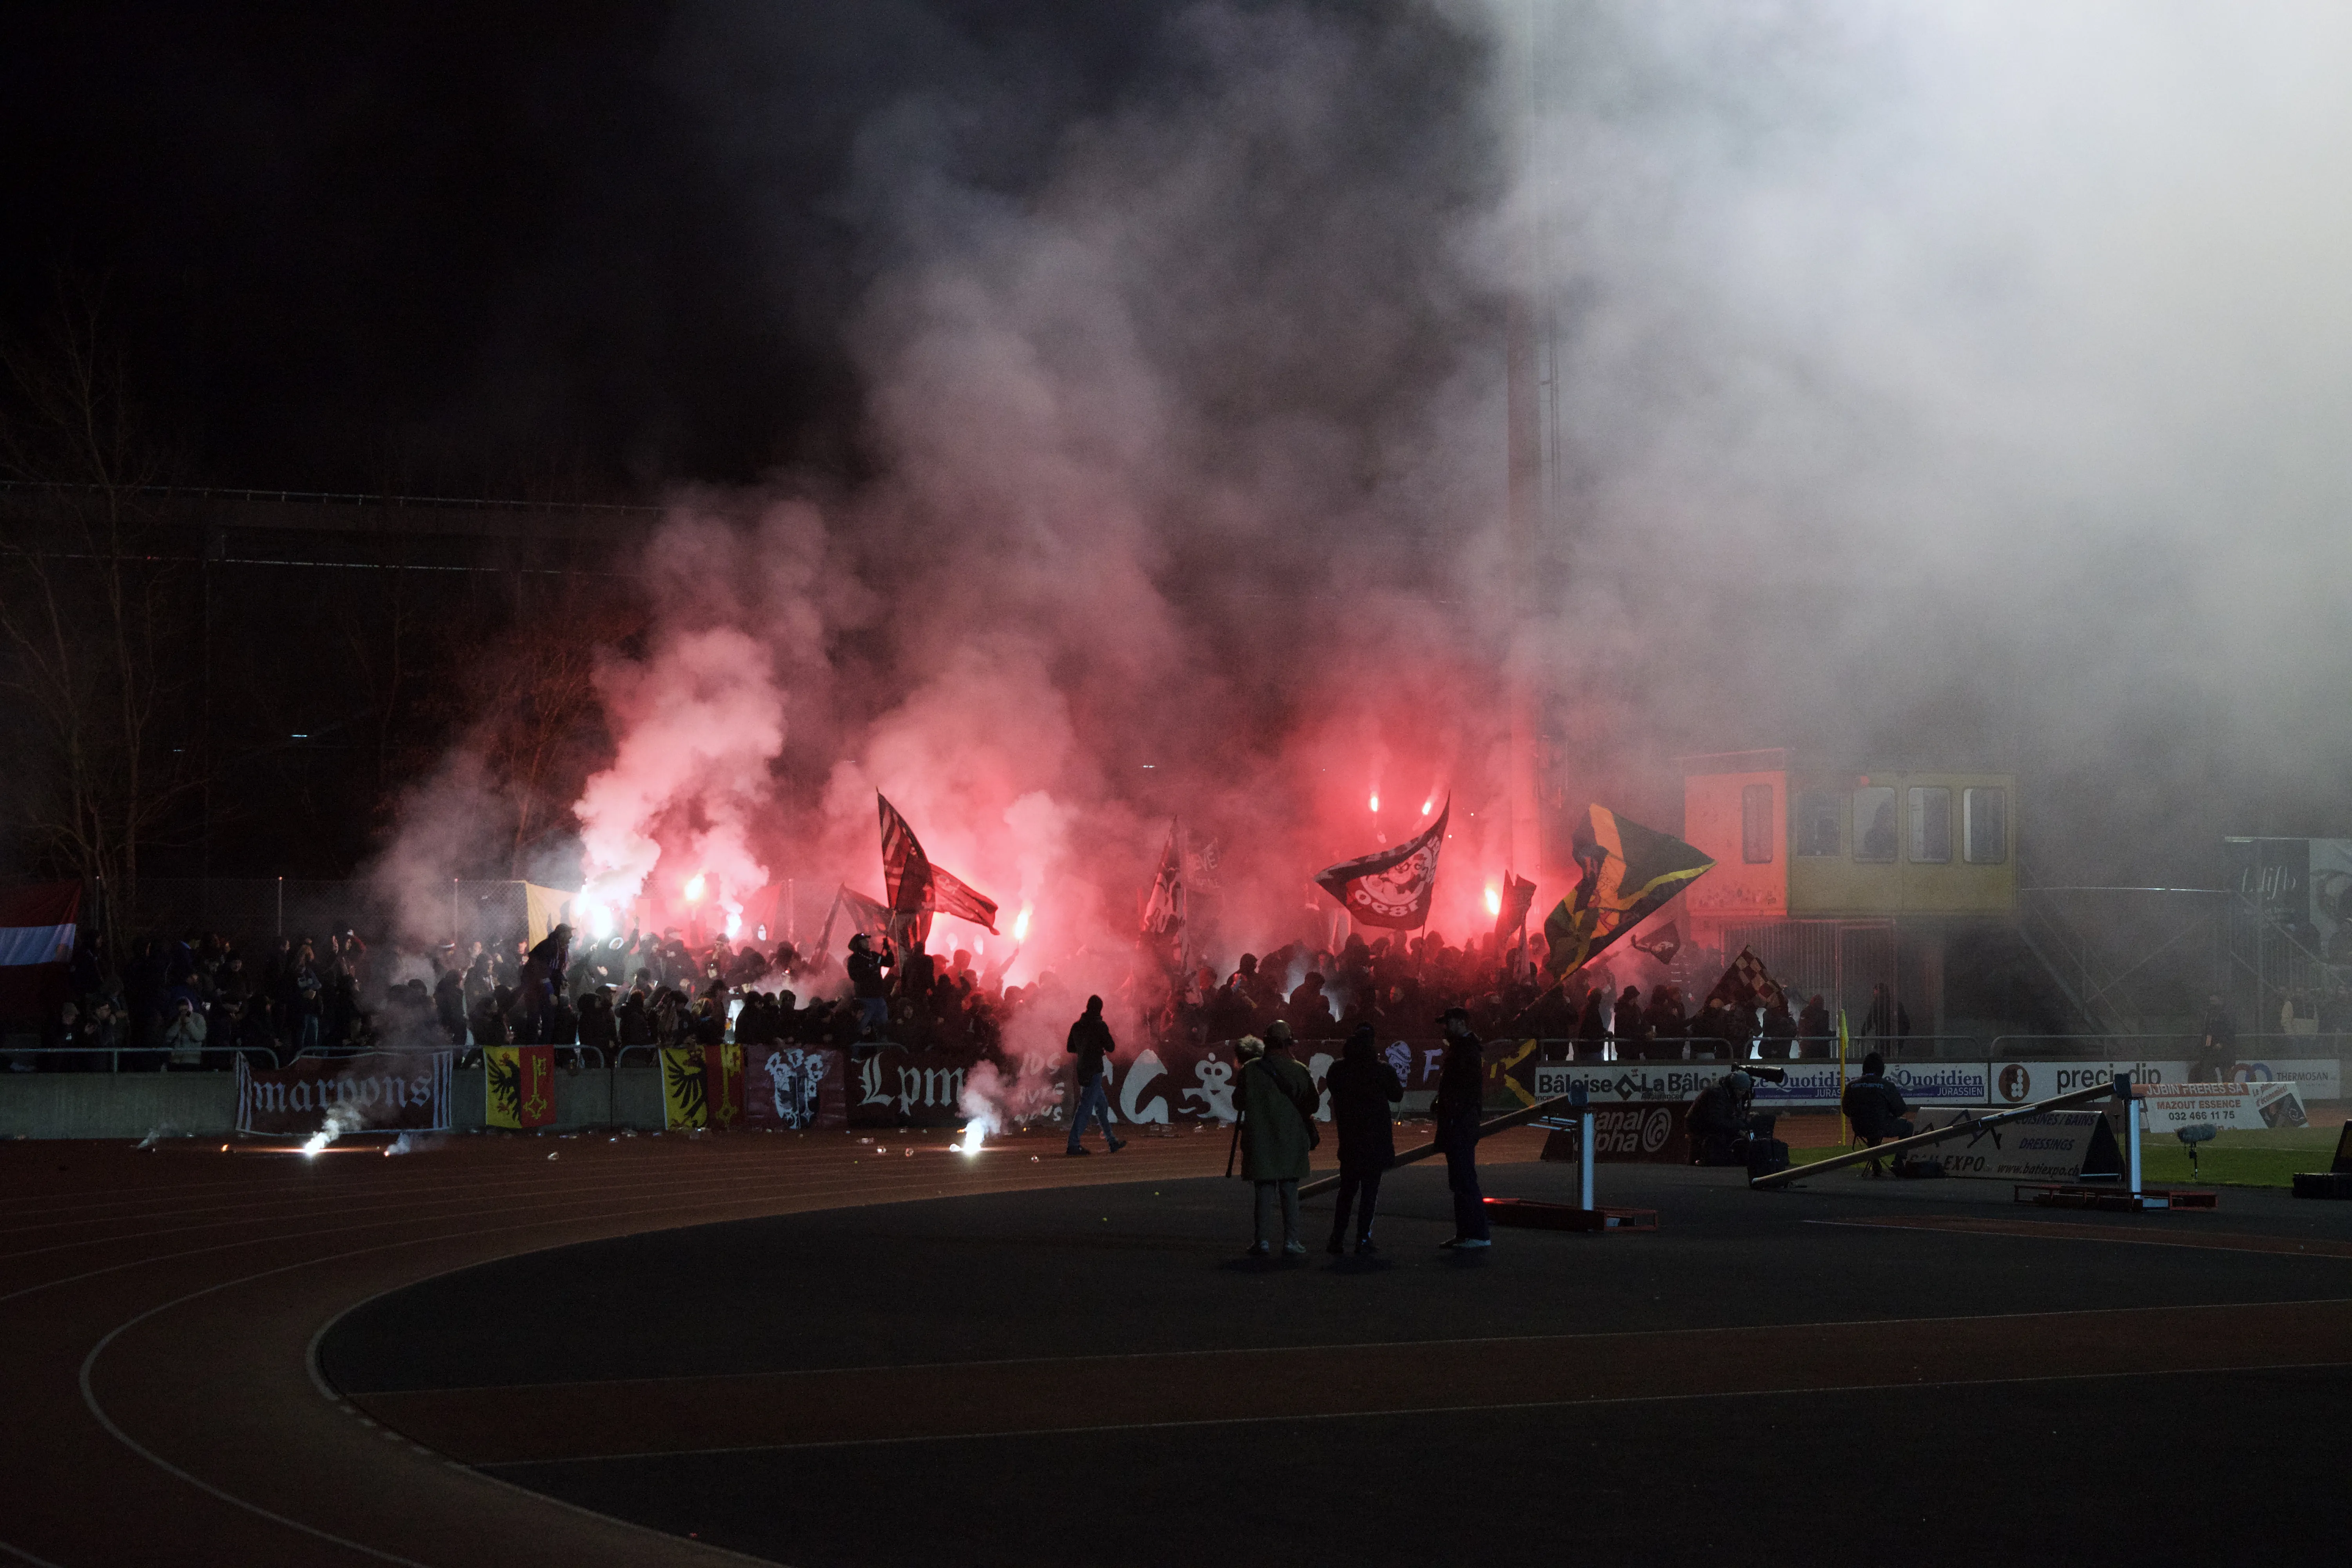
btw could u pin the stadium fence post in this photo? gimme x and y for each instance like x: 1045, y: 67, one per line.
x: 1583, y: 1148
x: 2123, y: 1090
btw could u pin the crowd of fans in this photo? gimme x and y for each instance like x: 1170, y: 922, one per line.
x: 196, y: 1002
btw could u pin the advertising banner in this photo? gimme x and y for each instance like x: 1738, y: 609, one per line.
x: 800, y: 1089
x: 2055, y: 1146
x: 1809, y: 1086
x: 376, y: 1091
x: 1652, y: 1133
x: 2243, y: 1107
x: 2314, y: 1078
x: 2022, y: 1083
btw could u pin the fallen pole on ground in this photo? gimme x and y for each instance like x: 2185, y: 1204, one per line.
x: 1574, y: 1100
x: 2119, y: 1089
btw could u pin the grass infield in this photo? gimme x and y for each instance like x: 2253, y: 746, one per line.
x: 2267, y: 1159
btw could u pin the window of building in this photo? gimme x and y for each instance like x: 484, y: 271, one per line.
x: 1814, y: 830
x: 1931, y: 826
x: 1984, y: 826
x: 1756, y: 823
x: 1874, y: 823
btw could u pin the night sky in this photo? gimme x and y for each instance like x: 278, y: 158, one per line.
x: 573, y: 251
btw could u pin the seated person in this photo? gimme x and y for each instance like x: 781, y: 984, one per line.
x: 1724, y: 1127
x: 1875, y: 1107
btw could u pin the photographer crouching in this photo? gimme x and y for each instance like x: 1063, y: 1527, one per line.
x: 1726, y: 1128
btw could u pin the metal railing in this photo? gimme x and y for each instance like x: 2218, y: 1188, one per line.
x: 2102, y: 1048
x: 114, y: 1055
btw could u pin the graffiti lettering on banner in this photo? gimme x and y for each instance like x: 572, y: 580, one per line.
x: 518, y: 1086
x: 702, y: 1085
x: 376, y: 1091
x: 802, y: 1088
x: 891, y: 1086
x: 1183, y: 1080
x: 1650, y: 1132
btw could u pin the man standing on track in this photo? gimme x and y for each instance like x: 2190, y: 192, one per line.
x: 1363, y: 1088
x: 1461, y: 1087
x: 1276, y: 1100
x: 1090, y: 1042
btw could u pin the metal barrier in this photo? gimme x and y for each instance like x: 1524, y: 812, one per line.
x: 116, y: 1053
x: 1710, y: 1047
x: 2103, y: 1048
x: 2117, y: 1088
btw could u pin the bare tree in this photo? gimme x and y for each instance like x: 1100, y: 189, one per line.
x: 540, y: 730
x: 92, y: 608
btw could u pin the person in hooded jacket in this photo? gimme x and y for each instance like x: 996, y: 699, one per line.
x: 1363, y: 1088
x: 1276, y: 1100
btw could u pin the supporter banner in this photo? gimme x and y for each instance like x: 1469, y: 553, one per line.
x: 518, y: 1086
x: 800, y: 1087
x: 378, y: 1091
x: 1650, y: 1133
x: 890, y: 1084
x: 1509, y: 1075
x: 702, y: 1085
x: 2055, y: 1146
x: 2245, y: 1108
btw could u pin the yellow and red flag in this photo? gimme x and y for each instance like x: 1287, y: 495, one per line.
x: 520, y: 1084
x: 702, y: 1085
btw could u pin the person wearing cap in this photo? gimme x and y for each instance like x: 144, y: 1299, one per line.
x: 1875, y: 1107
x: 1091, y: 1043
x: 1721, y: 1118
x: 1362, y: 1088
x: 1276, y: 1100
x: 866, y: 968
x: 1461, y: 1087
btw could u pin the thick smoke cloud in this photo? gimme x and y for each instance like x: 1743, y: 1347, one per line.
x: 1171, y: 515
x: 1947, y: 385
x: 1963, y: 383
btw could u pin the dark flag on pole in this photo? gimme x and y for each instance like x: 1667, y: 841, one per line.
x: 1518, y: 897
x: 1392, y: 887
x: 917, y: 889
x: 1664, y: 943
x: 1163, y: 912
x: 1629, y: 873
x: 866, y: 918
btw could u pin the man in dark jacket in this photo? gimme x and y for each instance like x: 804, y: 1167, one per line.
x: 1362, y: 1088
x: 1723, y: 1120
x: 866, y: 968
x: 1625, y: 1024
x: 1461, y: 1087
x: 1814, y: 1034
x: 2217, y: 1045
x: 1090, y: 1042
x: 1875, y: 1107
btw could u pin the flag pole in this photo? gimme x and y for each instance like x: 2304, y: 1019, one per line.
x: 1846, y: 1128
